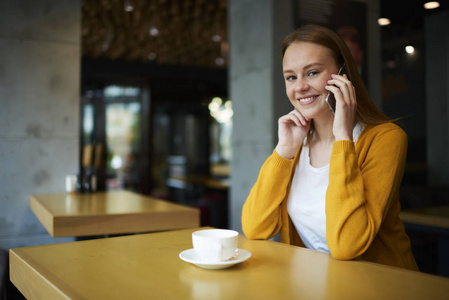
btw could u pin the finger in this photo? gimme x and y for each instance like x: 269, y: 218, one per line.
x: 300, y: 116
x: 335, y: 90
x: 341, y: 82
x: 345, y: 87
x: 352, y: 94
x: 343, y: 78
x: 290, y: 118
x: 348, y: 91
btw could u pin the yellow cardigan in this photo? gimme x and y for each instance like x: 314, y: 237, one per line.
x: 362, y: 199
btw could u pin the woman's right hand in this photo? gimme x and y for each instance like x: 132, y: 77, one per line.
x: 292, y: 131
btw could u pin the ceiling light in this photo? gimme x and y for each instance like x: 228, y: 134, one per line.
x: 431, y: 5
x: 222, y: 112
x: 152, y: 56
x: 216, y: 38
x: 154, y: 31
x: 105, y: 46
x: 215, y: 104
x: 129, y: 7
x: 383, y: 21
x: 219, y: 61
x: 409, y: 49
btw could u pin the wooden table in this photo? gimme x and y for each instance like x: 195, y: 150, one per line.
x: 147, y: 266
x: 437, y: 216
x: 206, y: 181
x: 432, y: 220
x: 113, y: 212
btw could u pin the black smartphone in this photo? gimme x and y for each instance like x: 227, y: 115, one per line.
x: 330, y: 98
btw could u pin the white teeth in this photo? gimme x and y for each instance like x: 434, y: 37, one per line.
x: 306, y: 99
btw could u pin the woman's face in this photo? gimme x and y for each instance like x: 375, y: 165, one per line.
x: 307, y: 67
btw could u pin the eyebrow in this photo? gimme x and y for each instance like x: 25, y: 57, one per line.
x: 305, y: 67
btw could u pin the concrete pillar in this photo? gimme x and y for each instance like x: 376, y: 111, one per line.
x: 39, y: 109
x: 256, y: 30
x: 437, y: 98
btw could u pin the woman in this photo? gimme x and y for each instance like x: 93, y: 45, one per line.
x: 332, y: 182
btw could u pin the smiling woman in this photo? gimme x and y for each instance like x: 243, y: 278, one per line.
x: 332, y: 182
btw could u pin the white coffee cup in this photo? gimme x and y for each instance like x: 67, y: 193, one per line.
x: 215, y: 245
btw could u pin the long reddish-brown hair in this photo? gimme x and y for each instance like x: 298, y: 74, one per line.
x: 367, y: 112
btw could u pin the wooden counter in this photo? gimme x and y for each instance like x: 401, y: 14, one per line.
x: 208, y: 182
x: 147, y: 266
x: 437, y: 216
x: 114, y: 212
x: 433, y: 221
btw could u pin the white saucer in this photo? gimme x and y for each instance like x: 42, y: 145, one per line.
x: 191, y: 257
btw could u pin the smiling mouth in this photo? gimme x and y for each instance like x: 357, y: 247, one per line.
x: 307, y: 100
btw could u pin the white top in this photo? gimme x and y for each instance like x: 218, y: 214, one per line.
x: 307, y: 199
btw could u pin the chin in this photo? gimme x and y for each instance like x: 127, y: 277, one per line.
x: 307, y: 113
x: 308, y: 116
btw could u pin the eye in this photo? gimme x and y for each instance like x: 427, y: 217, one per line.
x: 312, y: 73
x: 290, y: 78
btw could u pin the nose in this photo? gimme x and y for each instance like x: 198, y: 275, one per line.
x: 301, y: 85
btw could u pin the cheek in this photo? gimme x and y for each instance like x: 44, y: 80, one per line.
x: 323, y: 84
x: 290, y: 91
x: 291, y: 96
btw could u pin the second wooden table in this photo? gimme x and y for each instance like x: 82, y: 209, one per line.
x: 113, y: 212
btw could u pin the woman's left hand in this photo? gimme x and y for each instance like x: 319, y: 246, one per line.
x: 346, y: 106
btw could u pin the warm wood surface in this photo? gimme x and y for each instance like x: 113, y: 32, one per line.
x: 113, y: 212
x: 431, y: 216
x: 209, y: 182
x: 147, y: 266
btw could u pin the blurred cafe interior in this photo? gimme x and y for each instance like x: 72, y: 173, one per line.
x: 179, y: 99
x: 154, y: 96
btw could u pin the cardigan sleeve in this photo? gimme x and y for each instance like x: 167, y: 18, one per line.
x: 262, y: 211
x: 361, y: 189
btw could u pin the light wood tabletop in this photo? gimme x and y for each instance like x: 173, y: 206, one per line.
x: 112, y: 212
x: 148, y: 266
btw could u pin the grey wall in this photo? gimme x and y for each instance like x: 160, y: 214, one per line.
x: 437, y: 98
x: 39, y: 105
x: 256, y: 89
